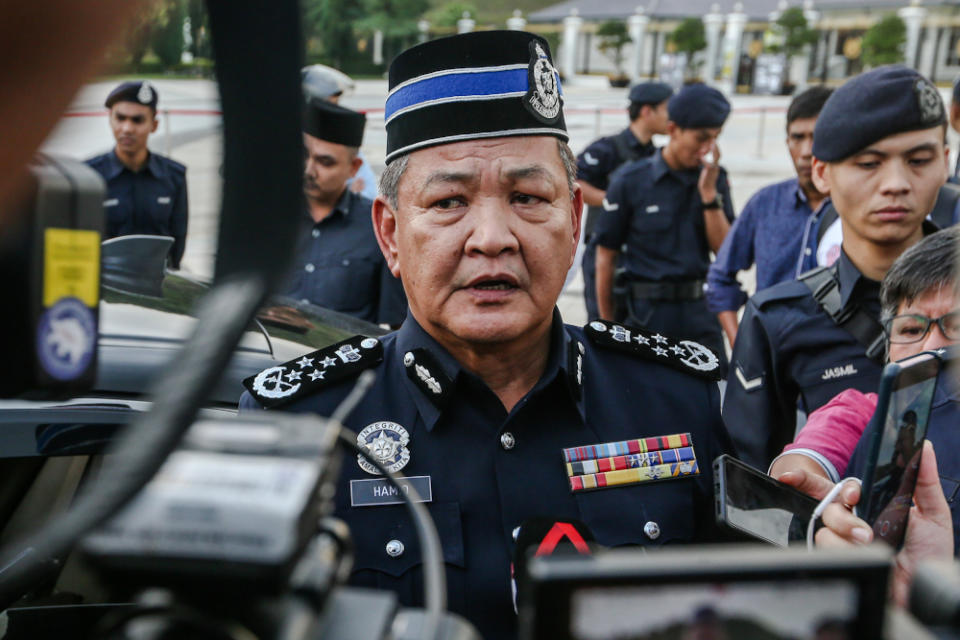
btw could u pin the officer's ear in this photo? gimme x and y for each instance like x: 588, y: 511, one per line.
x: 818, y: 174
x: 355, y: 163
x: 156, y: 121
x: 385, y: 228
x: 672, y: 128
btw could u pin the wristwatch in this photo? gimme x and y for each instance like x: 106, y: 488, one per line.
x: 716, y: 203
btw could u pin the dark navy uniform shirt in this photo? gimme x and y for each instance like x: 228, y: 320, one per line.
x: 339, y: 265
x: 491, y: 470
x: 789, y: 354
x: 658, y: 214
x: 603, y: 156
x: 151, y: 201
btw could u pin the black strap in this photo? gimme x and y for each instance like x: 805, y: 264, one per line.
x: 824, y: 284
x: 827, y: 218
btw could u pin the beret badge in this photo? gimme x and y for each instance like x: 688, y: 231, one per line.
x: 145, y: 94
x: 929, y: 102
x: 543, y: 96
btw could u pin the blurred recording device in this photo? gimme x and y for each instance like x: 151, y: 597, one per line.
x: 50, y: 260
x: 895, y: 443
x: 755, y: 506
x: 935, y: 597
x: 744, y: 591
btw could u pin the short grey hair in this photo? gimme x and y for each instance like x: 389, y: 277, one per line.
x: 390, y: 178
x: 929, y: 264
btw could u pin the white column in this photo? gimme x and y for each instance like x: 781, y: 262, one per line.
x: 712, y: 22
x: 186, y: 55
x: 571, y: 37
x: 731, y: 47
x: 637, y: 28
x: 913, y: 16
x: 466, y: 23
x: 423, y: 27
x: 517, y: 22
x: 378, y: 47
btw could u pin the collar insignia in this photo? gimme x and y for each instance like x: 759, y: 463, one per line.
x: 684, y: 355
x: 427, y: 374
x: 281, y: 384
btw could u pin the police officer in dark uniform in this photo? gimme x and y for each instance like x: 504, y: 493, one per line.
x: 497, y: 411
x: 146, y: 192
x: 648, y: 116
x: 667, y: 213
x: 338, y: 264
x: 879, y: 152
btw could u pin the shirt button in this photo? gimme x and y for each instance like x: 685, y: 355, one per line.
x: 516, y: 533
x: 507, y: 441
x: 807, y: 251
x: 346, y: 262
x: 315, y: 233
x: 652, y: 529
x: 309, y: 268
x: 394, y: 548
x: 305, y: 300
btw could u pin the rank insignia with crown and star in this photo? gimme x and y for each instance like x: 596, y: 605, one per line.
x: 684, y: 355
x: 279, y: 385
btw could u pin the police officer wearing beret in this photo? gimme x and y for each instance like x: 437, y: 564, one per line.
x: 666, y: 214
x: 648, y: 116
x: 146, y: 192
x: 338, y: 264
x: 484, y: 398
x: 879, y: 154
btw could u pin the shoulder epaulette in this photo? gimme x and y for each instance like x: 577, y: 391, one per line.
x: 281, y: 384
x: 683, y: 355
x: 176, y: 166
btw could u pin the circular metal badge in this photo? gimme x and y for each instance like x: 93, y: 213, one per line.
x: 387, y: 442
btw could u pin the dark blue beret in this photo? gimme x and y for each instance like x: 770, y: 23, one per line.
x: 476, y: 85
x: 141, y: 92
x: 333, y: 123
x: 650, y: 92
x: 697, y: 106
x: 873, y: 105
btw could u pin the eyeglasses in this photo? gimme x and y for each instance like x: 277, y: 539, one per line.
x: 914, y: 328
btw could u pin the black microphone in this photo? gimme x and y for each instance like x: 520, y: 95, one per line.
x: 935, y: 594
x: 543, y: 537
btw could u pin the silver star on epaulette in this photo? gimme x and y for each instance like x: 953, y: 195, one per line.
x: 328, y: 362
x: 293, y: 375
x: 316, y: 375
x: 304, y: 362
x: 659, y: 338
x: 642, y: 339
x: 677, y: 350
x: 660, y: 351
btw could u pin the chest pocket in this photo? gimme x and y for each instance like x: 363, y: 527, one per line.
x: 388, y: 554
x: 652, y: 217
x: 819, y: 384
x: 649, y: 514
x: 351, y: 281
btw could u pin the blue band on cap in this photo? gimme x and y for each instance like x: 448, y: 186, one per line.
x: 502, y: 82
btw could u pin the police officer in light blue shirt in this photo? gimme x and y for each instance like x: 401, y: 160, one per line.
x: 665, y: 214
x: 146, y: 192
x: 879, y: 154
x: 484, y: 398
x: 338, y: 264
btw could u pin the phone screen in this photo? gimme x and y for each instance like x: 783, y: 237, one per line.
x: 898, y: 458
x: 762, y: 507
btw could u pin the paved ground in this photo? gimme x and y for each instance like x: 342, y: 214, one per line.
x: 752, y: 146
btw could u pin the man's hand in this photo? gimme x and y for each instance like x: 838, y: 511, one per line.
x: 707, y: 184
x: 728, y: 322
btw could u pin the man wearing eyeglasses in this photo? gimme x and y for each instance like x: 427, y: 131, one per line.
x: 879, y: 152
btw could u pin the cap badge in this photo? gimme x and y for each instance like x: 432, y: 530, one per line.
x: 145, y: 94
x: 543, y: 96
x: 387, y: 442
x: 929, y: 102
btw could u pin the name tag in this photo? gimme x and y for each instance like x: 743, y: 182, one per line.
x: 163, y: 200
x: 112, y: 202
x: 379, y: 491
x: 654, y: 208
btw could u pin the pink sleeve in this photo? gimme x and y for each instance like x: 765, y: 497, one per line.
x: 834, y: 429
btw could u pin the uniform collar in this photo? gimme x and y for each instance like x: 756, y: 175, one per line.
x: 661, y: 169
x: 852, y: 280
x: 115, y: 167
x: 414, y: 347
x: 634, y: 142
x: 342, y: 206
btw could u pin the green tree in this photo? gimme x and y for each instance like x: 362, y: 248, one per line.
x: 795, y: 32
x: 883, y: 42
x: 612, y: 36
x: 689, y: 38
x: 168, y: 36
x: 139, y: 32
x: 396, y: 19
x: 330, y: 25
x: 200, y: 45
x: 448, y: 14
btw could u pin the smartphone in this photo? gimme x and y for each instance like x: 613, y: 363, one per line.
x: 895, y: 442
x: 752, y: 503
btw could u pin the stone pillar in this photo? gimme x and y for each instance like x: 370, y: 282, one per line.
x: 378, y: 47
x: 712, y: 22
x: 466, y: 23
x: 571, y: 37
x: 913, y: 16
x: 423, y: 28
x: 732, y: 40
x: 186, y: 56
x: 517, y: 22
x: 637, y: 28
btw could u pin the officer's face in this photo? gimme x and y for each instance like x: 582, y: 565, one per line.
x: 689, y: 146
x: 132, y: 123
x: 884, y: 192
x: 657, y: 118
x: 800, y: 145
x: 483, y: 236
x: 932, y: 303
x: 327, y: 167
